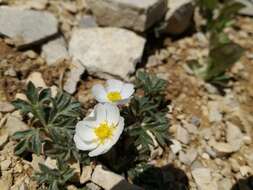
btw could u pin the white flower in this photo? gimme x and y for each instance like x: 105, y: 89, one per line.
x: 98, y: 132
x: 115, y: 92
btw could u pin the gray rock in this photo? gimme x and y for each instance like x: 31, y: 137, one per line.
x: 73, y: 77
x: 182, y: 135
x: 234, y: 136
x: 92, y: 186
x: 188, y: 157
x: 214, y: 114
x: 107, y: 52
x: 178, y: 18
x: 136, y: 15
x: 26, y: 27
x: 248, y: 10
x: 55, y: 51
x: 88, y: 21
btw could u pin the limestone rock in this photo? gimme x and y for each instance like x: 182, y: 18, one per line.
x: 13, y: 125
x: 26, y: 27
x: 88, y: 21
x: 6, y: 107
x: 109, y: 180
x: 136, y: 15
x: 203, y: 179
x: 86, y: 174
x: 176, y: 146
x: 107, y: 51
x: 182, y: 135
x: 73, y: 77
x: 37, y: 79
x: 55, y: 51
x: 6, y: 181
x: 234, y: 136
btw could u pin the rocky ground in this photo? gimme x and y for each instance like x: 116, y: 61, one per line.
x: 211, y: 129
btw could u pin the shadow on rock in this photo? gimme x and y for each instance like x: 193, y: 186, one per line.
x: 165, y: 178
x: 244, y: 184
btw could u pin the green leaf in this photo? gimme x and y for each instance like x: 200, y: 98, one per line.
x: 45, y: 95
x: 21, y: 147
x: 22, y: 105
x: 32, y: 93
x: 222, y: 58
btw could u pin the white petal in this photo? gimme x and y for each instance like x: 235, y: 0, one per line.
x: 81, y: 145
x: 113, y: 85
x: 127, y: 90
x: 118, y: 131
x: 104, y: 148
x: 100, y: 113
x: 112, y: 113
x: 99, y: 93
x: 90, y: 122
x: 101, y: 149
x: 85, y: 132
x: 123, y: 101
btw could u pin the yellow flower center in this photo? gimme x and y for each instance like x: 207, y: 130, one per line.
x: 104, y: 131
x: 114, y: 96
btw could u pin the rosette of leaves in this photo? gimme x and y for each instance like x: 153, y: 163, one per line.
x: 223, y: 53
x: 146, y: 114
x: 52, y: 121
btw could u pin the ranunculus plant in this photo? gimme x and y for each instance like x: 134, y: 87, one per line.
x: 119, y: 132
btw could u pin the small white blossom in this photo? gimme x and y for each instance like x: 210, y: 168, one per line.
x: 98, y: 132
x: 115, y: 92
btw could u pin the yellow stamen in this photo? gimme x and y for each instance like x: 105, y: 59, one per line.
x: 114, y: 96
x: 104, y: 131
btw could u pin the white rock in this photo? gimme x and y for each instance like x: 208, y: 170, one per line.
x: 182, y: 135
x: 51, y: 163
x: 176, y: 146
x: 225, y: 184
x: 92, y: 186
x: 248, y: 10
x: 234, y: 136
x: 179, y: 16
x: 73, y: 77
x: 55, y: 51
x: 26, y: 26
x: 31, y: 4
x: 86, y: 174
x: 5, y: 165
x: 6, y: 107
x: 6, y: 181
x: 37, y: 79
x: 214, y: 114
x: 246, y: 171
x: 13, y: 125
x: 188, y: 157
x: 107, y: 51
x: 36, y: 160
x: 136, y: 15
x: 3, y: 139
x: 203, y: 179
x: 109, y: 180
x: 221, y: 148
